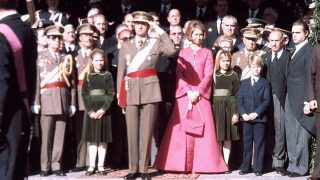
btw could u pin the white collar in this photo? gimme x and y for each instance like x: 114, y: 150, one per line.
x: 278, y: 54
x: 7, y: 13
x: 85, y: 52
x: 204, y: 8
x: 255, y: 78
x: 168, y: 6
x: 123, y: 6
x: 299, y: 46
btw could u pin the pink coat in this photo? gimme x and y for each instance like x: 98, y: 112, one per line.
x: 194, y: 72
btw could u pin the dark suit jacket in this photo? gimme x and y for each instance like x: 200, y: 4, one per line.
x: 45, y: 15
x: 275, y: 72
x: 254, y: 99
x: 313, y: 77
x: 296, y: 86
x: 207, y: 16
x: 14, y: 119
x: 211, y: 33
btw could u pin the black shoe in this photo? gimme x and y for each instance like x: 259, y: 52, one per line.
x: 228, y: 172
x: 45, y: 173
x: 243, y: 172
x: 59, y: 173
x: 313, y: 178
x: 258, y: 173
x: 77, y: 169
x: 145, y: 176
x: 90, y: 173
x: 285, y: 173
x: 102, y: 171
x: 280, y: 170
x: 131, y: 176
x: 294, y: 174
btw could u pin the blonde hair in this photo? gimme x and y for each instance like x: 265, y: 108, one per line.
x: 220, y: 39
x: 195, y: 24
x: 255, y: 59
x: 217, y: 61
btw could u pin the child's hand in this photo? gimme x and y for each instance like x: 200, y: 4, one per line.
x: 245, y: 117
x: 100, y: 113
x: 235, y: 119
x: 253, y: 116
x: 92, y: 115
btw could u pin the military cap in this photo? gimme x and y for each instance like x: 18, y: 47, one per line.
x: 53, y: 30
x: 250, y: 32
x: 141, y: 16
x: 255, y: 22
x: 121, y: 28
x: 86, y: 29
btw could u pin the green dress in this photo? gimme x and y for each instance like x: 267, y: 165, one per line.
x: 225, y: 91
x: 97, y: 93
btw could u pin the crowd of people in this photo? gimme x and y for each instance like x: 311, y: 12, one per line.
x: 183, y: 86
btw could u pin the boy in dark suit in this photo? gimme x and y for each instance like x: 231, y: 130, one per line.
x: 253, y: 101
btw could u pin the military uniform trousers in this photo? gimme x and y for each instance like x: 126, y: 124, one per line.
x: 140, y: 121
x: 82, y: 155
x: 53, y: 131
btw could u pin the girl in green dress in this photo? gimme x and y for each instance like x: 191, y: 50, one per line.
x: 97, y: 93
x: 226, y: 85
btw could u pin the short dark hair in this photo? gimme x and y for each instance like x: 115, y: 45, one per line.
x: 301, y: 23
x: 8, y: 4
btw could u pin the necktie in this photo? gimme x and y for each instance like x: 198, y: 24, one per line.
x: 251, y: 14
x: 56, y: 57
x: 164, y: 10
x: 69, y: 49
x: 140, y: 42
x: 126, y: 10
x: 275, y: 57
x: 254, y: 83
x: 200, y: 13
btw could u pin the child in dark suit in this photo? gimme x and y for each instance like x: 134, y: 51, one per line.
x: 253, y: 100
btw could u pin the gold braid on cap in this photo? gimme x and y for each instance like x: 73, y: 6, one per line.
x: 66, y: 68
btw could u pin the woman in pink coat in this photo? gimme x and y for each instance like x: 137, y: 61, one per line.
x: 181, y: 151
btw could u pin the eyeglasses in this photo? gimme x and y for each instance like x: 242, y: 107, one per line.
x: 176, y: 33
x: 55, y: 37
x: 126, y: 38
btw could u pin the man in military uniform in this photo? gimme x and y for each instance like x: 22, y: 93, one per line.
x: 241, y: 58
x: 54, y: 100
x: 139, y: 89
x: 86, y: 42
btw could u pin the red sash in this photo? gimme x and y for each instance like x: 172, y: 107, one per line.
x: 122, y: 101
x: 58, y: 84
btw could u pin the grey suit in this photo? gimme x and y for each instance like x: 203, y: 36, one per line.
x: 143, y: 95
x: 275, y: 73
x: 298, y: 126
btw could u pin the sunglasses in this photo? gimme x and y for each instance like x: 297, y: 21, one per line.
x: 126, y: 38
x: 176, y: 33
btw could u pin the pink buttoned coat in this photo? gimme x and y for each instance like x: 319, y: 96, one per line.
x: 184, y: 152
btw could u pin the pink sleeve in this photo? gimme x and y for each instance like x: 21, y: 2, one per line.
x: 182, y: 85
x: 204, y: 87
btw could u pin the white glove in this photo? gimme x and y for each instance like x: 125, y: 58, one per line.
x: 35, y: 109
x: 71, y: 110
